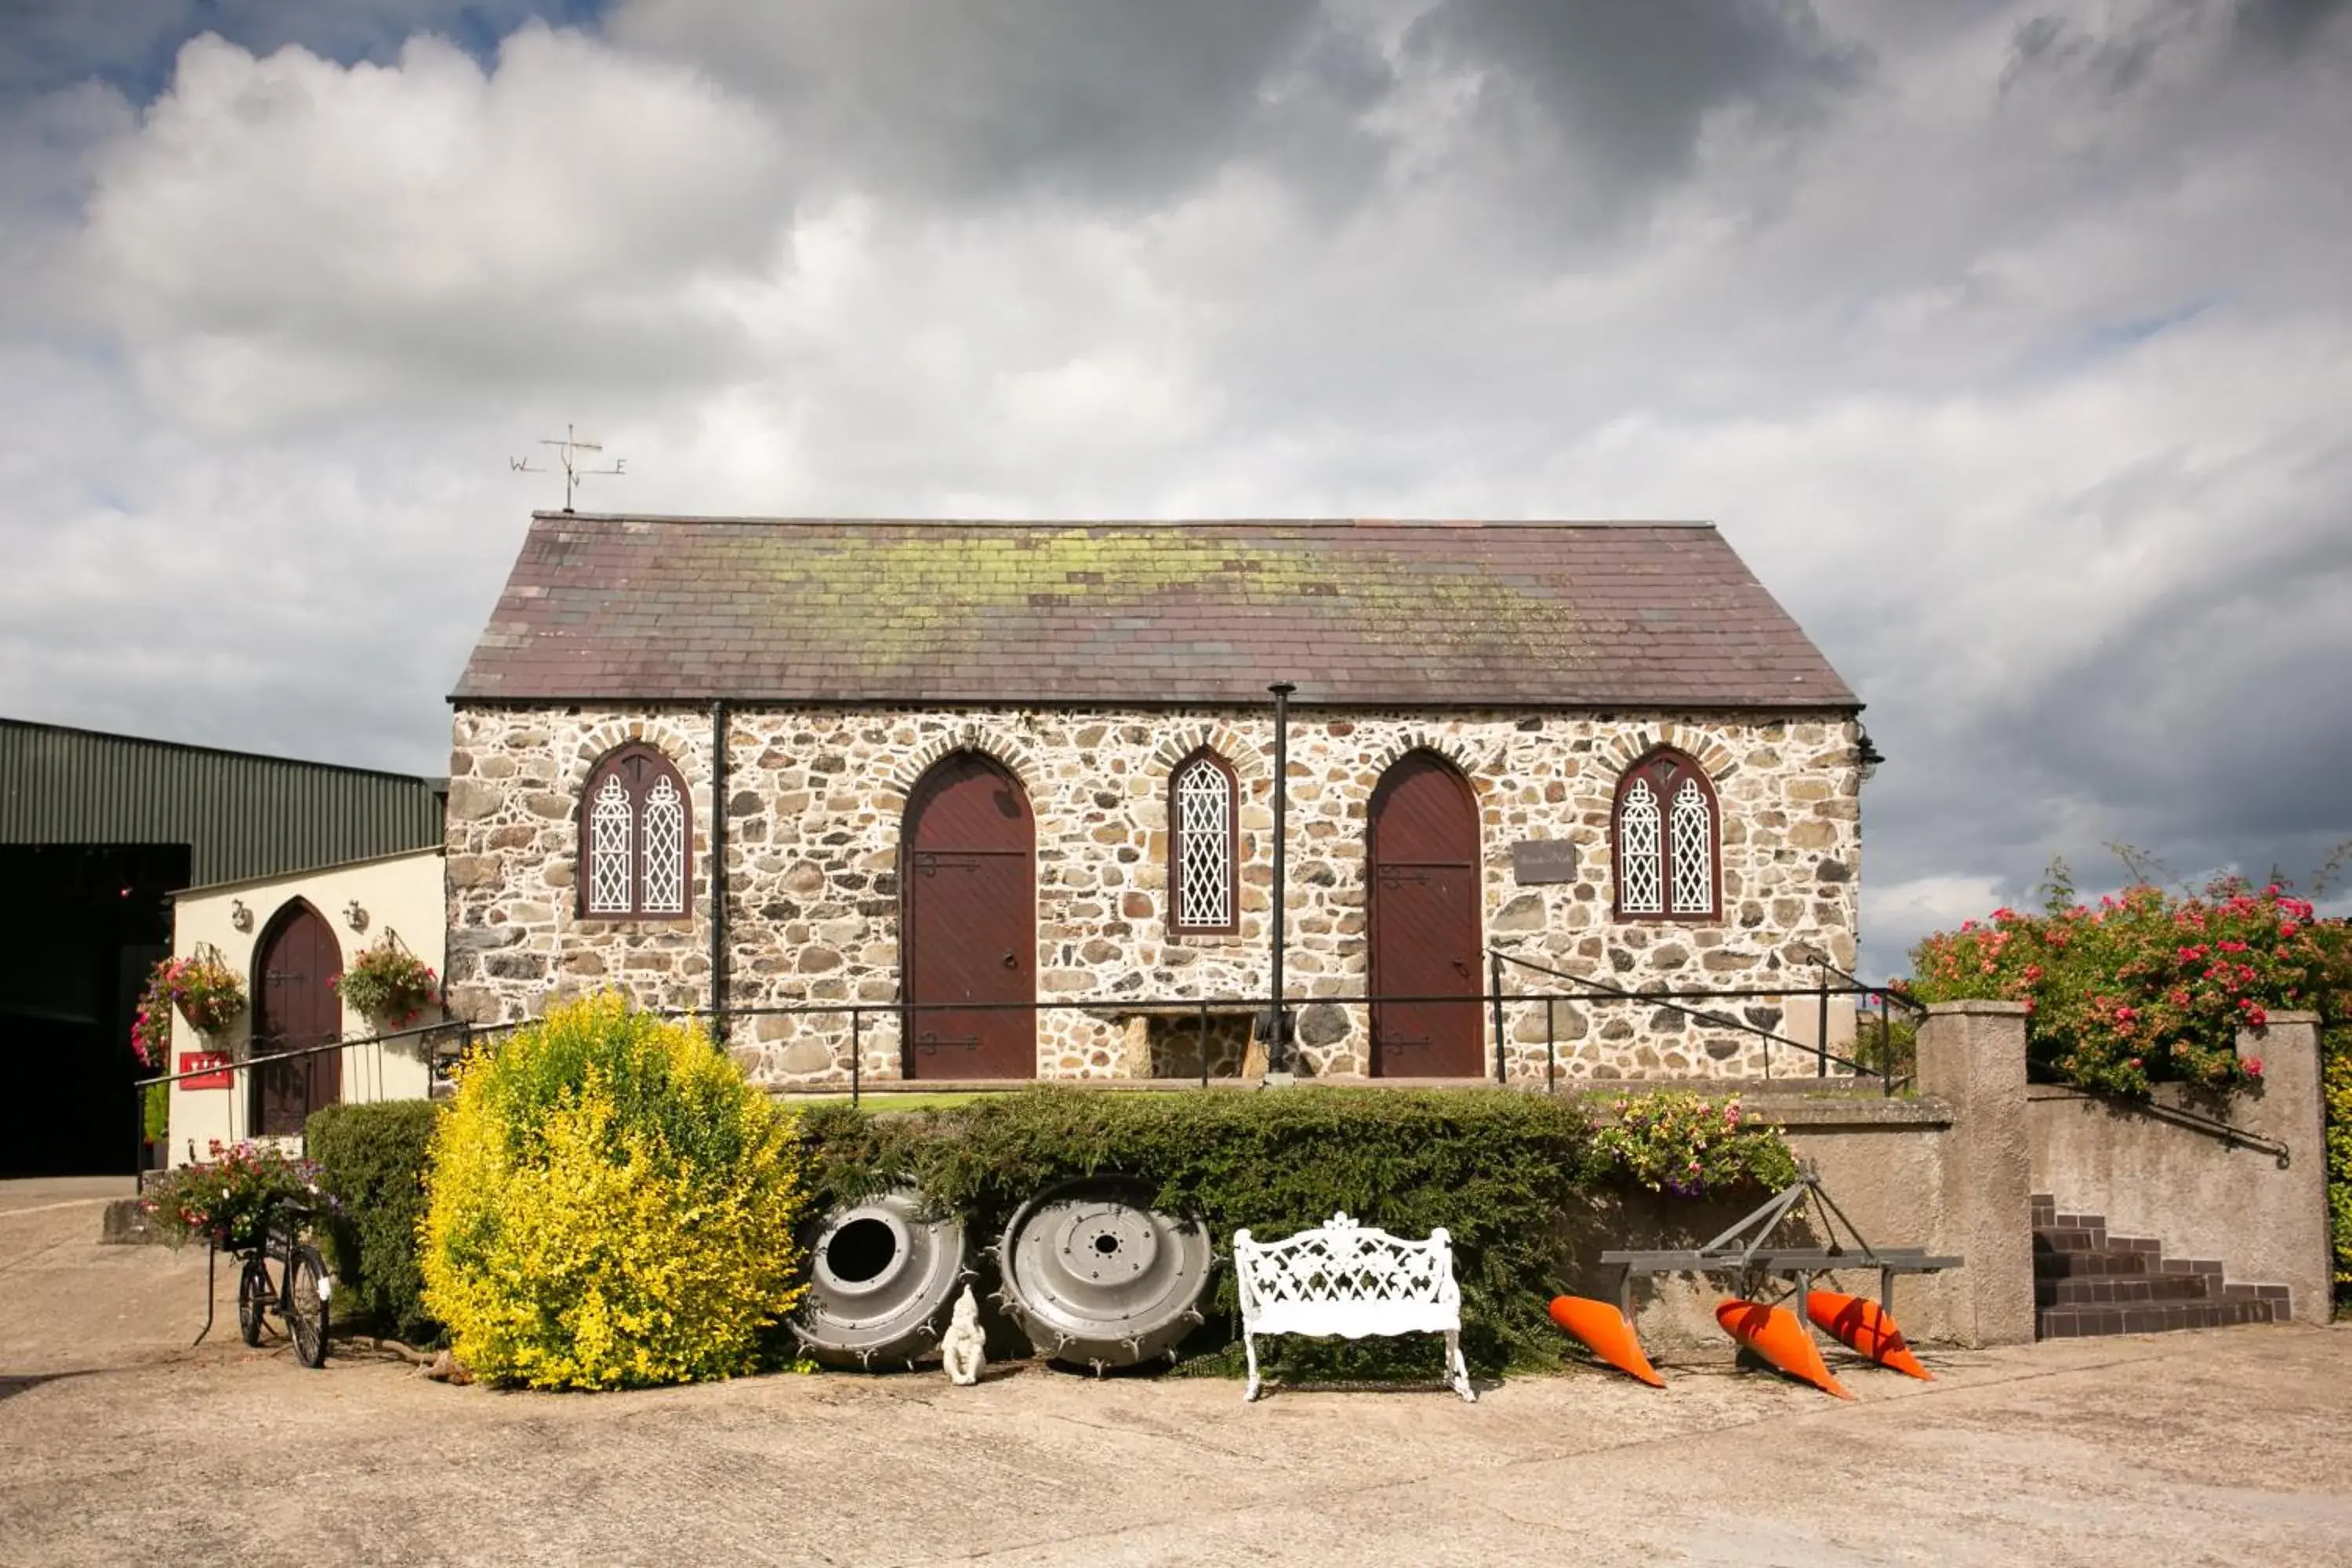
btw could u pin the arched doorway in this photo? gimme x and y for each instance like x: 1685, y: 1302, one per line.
x: 1423, y: 849
x: 971, y: 923
x: 294, y: 1008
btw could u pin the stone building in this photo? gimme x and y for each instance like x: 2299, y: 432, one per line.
x: 955, y: 769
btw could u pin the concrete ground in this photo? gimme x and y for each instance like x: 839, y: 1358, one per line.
x: 123, y: 1444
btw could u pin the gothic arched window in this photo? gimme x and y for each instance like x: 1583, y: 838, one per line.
x: 1668, y: 831
x: 1203, y: 847
x: 637, y: 830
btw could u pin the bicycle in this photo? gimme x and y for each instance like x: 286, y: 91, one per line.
x: 298, y: 1295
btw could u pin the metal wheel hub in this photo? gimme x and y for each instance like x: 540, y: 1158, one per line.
x: 1096, y: 1276
x: 881, y: 1275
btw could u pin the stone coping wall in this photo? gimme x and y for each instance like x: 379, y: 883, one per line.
x: 813, y: 811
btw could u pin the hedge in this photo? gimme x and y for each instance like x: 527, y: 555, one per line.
x: 372, y: 1159
x: 1496, y: 1168
x: 1510, y: 1175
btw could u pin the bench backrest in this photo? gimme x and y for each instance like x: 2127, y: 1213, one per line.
x: 1345, y: 1264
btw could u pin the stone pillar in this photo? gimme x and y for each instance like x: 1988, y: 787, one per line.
x: 1972, y: 1056
x: 2286, y: 1241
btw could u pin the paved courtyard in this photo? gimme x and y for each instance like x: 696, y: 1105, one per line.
x: 122, y: 1444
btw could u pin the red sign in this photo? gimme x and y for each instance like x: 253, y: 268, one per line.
x: 212, y: 1064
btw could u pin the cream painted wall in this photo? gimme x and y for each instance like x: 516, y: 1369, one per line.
x: 400, y: 893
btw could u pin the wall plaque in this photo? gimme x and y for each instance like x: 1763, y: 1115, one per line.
x: 1535, y: 861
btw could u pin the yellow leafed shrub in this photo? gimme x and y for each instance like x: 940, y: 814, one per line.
x: 610, y: 1206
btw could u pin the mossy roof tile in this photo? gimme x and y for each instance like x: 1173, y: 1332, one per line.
x: 1361, y: 613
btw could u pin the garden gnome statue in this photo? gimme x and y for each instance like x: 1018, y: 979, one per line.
x: 960, y: 1349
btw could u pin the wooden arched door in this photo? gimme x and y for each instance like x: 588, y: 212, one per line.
x: 1422, y: 876
x: 295, y: 1007
x: 971, y: 923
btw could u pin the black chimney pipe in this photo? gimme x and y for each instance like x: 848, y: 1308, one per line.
x: 1277, y: 1050
x: 719, y: 869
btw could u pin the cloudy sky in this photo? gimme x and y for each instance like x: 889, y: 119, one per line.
x: 2011, y: 344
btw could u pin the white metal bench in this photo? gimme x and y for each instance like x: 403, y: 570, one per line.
x: 1352, y: 1280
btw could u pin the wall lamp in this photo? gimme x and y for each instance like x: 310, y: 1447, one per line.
x: 355, y: 916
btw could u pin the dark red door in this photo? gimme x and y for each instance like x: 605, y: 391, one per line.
x: 1423, y: 854
x: 295, y: 1005
x: 971, y: 926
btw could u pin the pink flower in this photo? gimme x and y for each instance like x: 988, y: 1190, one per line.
x: 2253, y: 1066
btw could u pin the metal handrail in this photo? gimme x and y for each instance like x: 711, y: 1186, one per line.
x: 344, y: 1043
x: 1491, y: 997
x: 1666, y: 997
x: 1892, y: 991
x: 2187, y: 1121
x: 252, y: 1061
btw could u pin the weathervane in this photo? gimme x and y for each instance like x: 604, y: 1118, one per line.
x: 572, y: 472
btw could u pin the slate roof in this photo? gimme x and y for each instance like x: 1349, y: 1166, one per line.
x: 1358, y: 613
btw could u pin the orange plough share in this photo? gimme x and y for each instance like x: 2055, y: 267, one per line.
x: 1864, y: 1329
x: 1601, y: 1329
x: 1774, y: 1333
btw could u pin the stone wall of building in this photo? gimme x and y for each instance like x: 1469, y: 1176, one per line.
x: 813, y: 807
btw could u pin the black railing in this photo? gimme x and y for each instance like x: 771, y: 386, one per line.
x: 243, y: 1066
x: 445, y: 1043
x: 1590, y: 989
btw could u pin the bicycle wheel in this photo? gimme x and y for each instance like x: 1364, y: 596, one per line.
x: 307, y: 1290
x: 253, y: 1295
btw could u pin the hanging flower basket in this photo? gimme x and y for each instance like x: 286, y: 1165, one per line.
x: 389, y: 984
x: 204, y: 991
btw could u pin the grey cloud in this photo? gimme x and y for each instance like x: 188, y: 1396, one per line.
x: 2286, y: 29
x: 2123, y: 51
x: 129, y: 43
x: 1119, y: 103
x: 1627, y: 84
x: 1158, y: 258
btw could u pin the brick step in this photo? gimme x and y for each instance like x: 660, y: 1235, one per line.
x: 2109, y: 1261
x: 2133, y: 1289
x: 2087, y: 1282
x: 2065, y: 1323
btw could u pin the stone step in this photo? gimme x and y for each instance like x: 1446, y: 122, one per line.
x: 2132, y: 1290
x: 2087, y: 1233
x: 2102, y: 1264
x: 2086, y: 1282
x: 2064, y: 1322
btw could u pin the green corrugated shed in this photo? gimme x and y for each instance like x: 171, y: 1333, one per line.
x: 241, y: 815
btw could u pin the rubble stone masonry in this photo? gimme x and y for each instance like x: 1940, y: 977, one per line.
x: 815, y: 798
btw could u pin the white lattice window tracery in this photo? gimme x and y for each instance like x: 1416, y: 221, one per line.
x: 1205, y: 847
x: 1694, y: 841
x: 665, y: 841
x: 1639, y: 863
x: 612, y: 822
